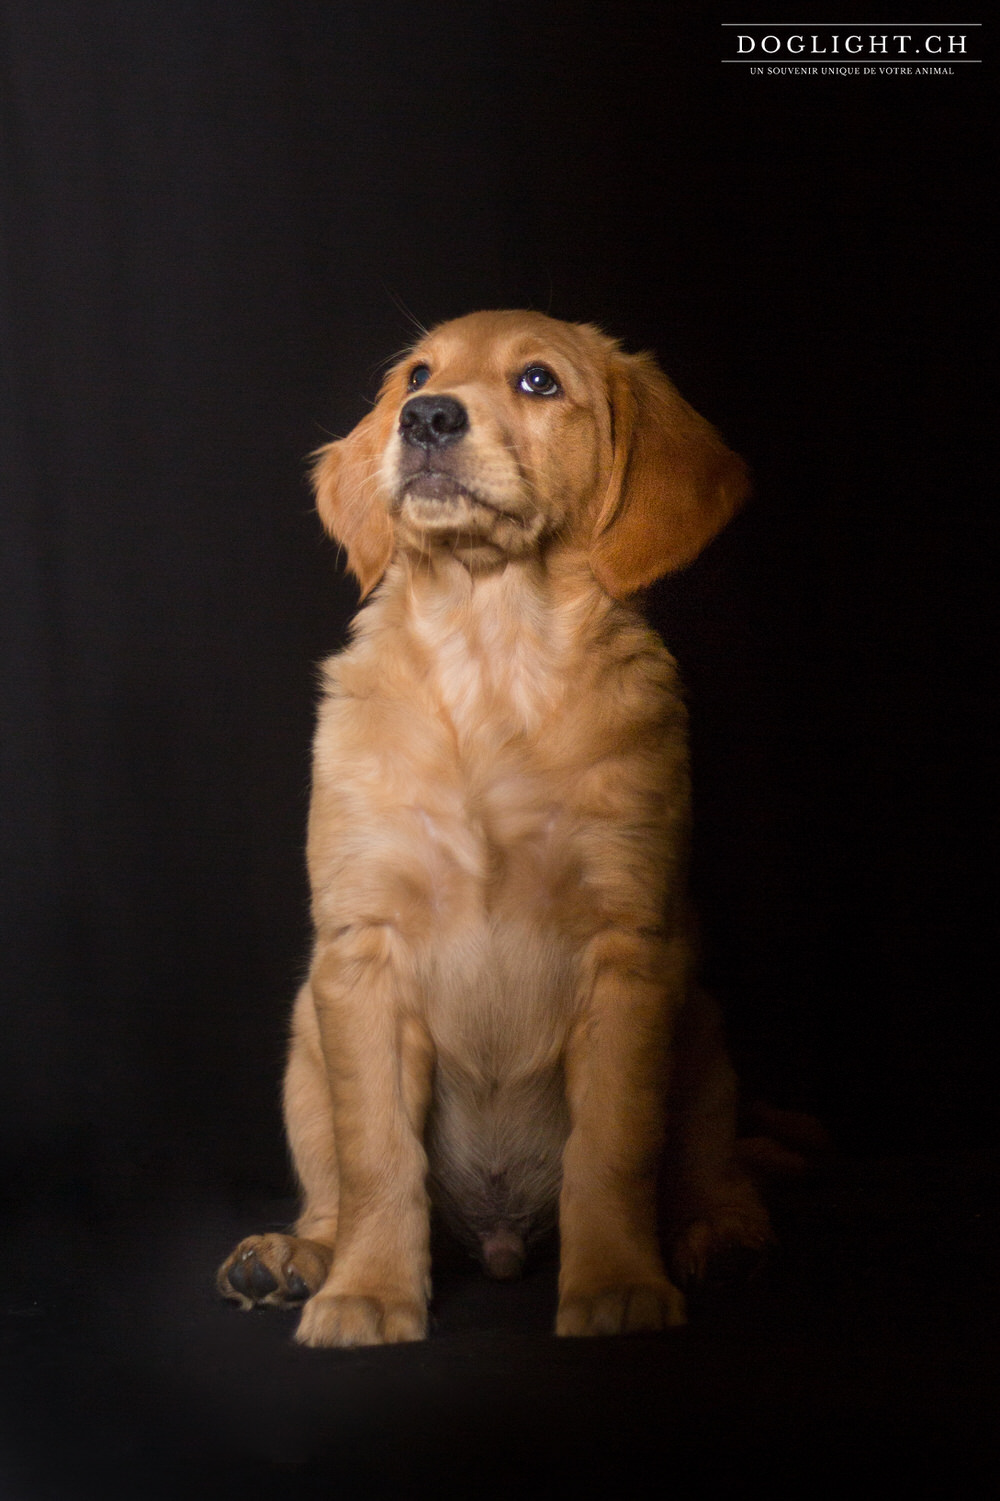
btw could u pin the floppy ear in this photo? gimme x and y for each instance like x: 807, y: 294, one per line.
x: 345, y: 479
x: 673, y: 485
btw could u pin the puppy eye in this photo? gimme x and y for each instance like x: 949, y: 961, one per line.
x: 419, y: 376
x: 538, y: 381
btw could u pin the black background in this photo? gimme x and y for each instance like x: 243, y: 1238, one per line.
x: 221, y: 217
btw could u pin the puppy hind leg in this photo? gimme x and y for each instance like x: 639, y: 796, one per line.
x: 308, y: 1110
x: 719, y: 1224
x: 280, y: 1270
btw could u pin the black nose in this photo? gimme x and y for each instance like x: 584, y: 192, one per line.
x: 432, y: 421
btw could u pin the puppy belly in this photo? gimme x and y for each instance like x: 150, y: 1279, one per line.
x: 495, y: 1157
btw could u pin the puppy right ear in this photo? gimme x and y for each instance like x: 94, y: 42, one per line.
x: 346, y: 483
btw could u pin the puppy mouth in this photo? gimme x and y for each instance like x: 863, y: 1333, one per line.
x: 436, y: 485
x: 437, y: 496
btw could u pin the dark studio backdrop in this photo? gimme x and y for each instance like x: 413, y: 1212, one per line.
x: 220, y: 217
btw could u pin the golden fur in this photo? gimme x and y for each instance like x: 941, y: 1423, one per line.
x: 500, y: 1014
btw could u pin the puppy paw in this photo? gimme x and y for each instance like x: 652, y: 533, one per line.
x: 277, y: 1271
x: 627, y: 1308
x: 723, y: 1247
x: 341, y: 1320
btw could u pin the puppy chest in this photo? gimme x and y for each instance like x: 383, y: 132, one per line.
x: 511, y: 861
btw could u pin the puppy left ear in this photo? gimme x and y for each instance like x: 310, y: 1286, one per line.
x: 674, y: 483
x: 345, y: 480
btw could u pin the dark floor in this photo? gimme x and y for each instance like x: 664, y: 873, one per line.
x: 866, y: 1351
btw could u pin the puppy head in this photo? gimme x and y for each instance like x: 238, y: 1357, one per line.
x: 502, y: 434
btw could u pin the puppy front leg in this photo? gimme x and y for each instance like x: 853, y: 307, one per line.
x: 378, y: 1061
x: 611, y: 1276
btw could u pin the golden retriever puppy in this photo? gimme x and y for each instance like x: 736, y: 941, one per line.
x: 500, y: 1015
